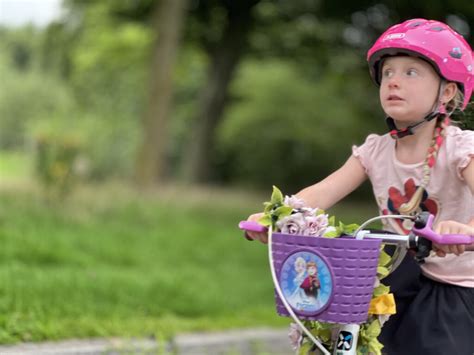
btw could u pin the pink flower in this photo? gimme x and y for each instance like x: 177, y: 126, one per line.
x: 294, y: 202
x: 308, y: 211
x: 316, y: 225
x: 292, y: 224
x: 295, y: 335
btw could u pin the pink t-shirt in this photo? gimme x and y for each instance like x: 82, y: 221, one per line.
x: 447, y: 196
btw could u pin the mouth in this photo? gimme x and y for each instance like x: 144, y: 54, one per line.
x: 394, y: 98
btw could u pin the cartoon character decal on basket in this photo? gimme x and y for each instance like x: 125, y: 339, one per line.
x: 300, y: 269
x: 311, y: 283
x: 398, y: 199
x: 306, y: 282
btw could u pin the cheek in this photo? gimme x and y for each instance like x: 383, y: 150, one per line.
x: 383, y: 93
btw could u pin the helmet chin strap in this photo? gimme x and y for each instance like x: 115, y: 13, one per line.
x: 397, y: 133
x: 438, y: 109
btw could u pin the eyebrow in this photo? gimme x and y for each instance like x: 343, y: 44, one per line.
x: 411, y: 61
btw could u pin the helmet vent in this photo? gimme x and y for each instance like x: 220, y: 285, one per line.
x: 456, y: 53
x: 415, y: 24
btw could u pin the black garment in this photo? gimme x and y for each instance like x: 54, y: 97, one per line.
x: 432, y: 318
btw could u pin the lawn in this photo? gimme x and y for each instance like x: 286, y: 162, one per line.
x: 14, y: 165
x: 112, y: 261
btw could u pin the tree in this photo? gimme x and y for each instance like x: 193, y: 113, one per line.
x: 224, y: 55
x: 167, y: 24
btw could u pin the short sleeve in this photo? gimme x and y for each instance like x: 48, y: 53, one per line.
x: 367, y: 151
x: 460, y: 149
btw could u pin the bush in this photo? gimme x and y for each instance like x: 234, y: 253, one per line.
x: 56, y: 157
x: 30, y: 97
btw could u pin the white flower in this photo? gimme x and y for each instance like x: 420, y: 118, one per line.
x: 383, y: 318
x: 316, y: 225
x: 308, y: 211
x: 294, y: 202
x: 295, y: 335
x: 292, y: 224
x: 376, y: 282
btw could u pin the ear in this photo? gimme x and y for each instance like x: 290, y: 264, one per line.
x: 449, y: 91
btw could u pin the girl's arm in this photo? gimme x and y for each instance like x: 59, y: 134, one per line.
x: 452, y: 227
x: 336, y: 186
x: 326, y: 193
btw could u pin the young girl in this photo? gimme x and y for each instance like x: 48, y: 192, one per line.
x: 425, y: 71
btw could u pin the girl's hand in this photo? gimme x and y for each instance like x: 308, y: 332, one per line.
x: 261, y: 236
x: 451, y: 227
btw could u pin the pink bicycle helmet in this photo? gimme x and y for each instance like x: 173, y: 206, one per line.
x: 434, y: 41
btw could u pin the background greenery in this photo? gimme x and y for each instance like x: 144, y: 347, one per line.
x: 282, y: 91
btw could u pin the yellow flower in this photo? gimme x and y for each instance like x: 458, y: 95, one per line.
x: 384, y: 304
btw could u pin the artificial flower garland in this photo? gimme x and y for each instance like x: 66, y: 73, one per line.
x: 290, y: 215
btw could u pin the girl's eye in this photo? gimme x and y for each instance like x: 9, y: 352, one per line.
x: 411, y: 72
x: 387, y: 73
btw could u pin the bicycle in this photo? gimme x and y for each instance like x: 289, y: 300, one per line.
x: 348, y: 262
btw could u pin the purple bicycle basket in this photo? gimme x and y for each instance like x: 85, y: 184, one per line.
x: 347, y: 266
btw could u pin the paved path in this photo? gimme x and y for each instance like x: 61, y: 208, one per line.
x: 260, y: 341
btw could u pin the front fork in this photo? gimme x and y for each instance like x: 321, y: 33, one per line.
x: 346, y: 342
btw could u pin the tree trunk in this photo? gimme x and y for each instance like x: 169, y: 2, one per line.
x: 168, y: 20
x: 224, y: 59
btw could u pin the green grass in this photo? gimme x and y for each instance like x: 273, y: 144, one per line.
x: 14, y: 165
x: 111, y: 261
x: 113, y: 265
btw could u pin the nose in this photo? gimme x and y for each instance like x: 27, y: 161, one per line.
x: 393, y: 81
x: 393, y: 84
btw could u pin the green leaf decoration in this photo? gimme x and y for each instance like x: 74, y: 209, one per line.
x: 382, y: 271
x: 350, y: 228
x: 266, y: 220
x: 374, y: 329
x: 283, y: 211
x: 332, y: 234
x: 362, y: 350
x: 384, y: 258
x: 332, y: 221
x: 381, y: 290
x: 368, y: 343
x: 324, y: 335
x: 305, y: 348
x: 277, y: 197
x: 267, y: 207
x: 375, y: 347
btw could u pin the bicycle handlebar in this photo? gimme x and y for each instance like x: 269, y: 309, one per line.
x: 422, y: 228
x: 251, y: 226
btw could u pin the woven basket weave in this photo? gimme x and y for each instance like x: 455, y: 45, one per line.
x: 353, y: 265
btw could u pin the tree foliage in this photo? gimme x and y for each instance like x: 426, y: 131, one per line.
x: 297, y: 87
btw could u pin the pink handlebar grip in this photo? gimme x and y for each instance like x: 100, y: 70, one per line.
x: 428, y: 233
x: 251, y: 226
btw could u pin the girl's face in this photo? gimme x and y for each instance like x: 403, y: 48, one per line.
x: 312, y: 270
x: 409, y: 89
